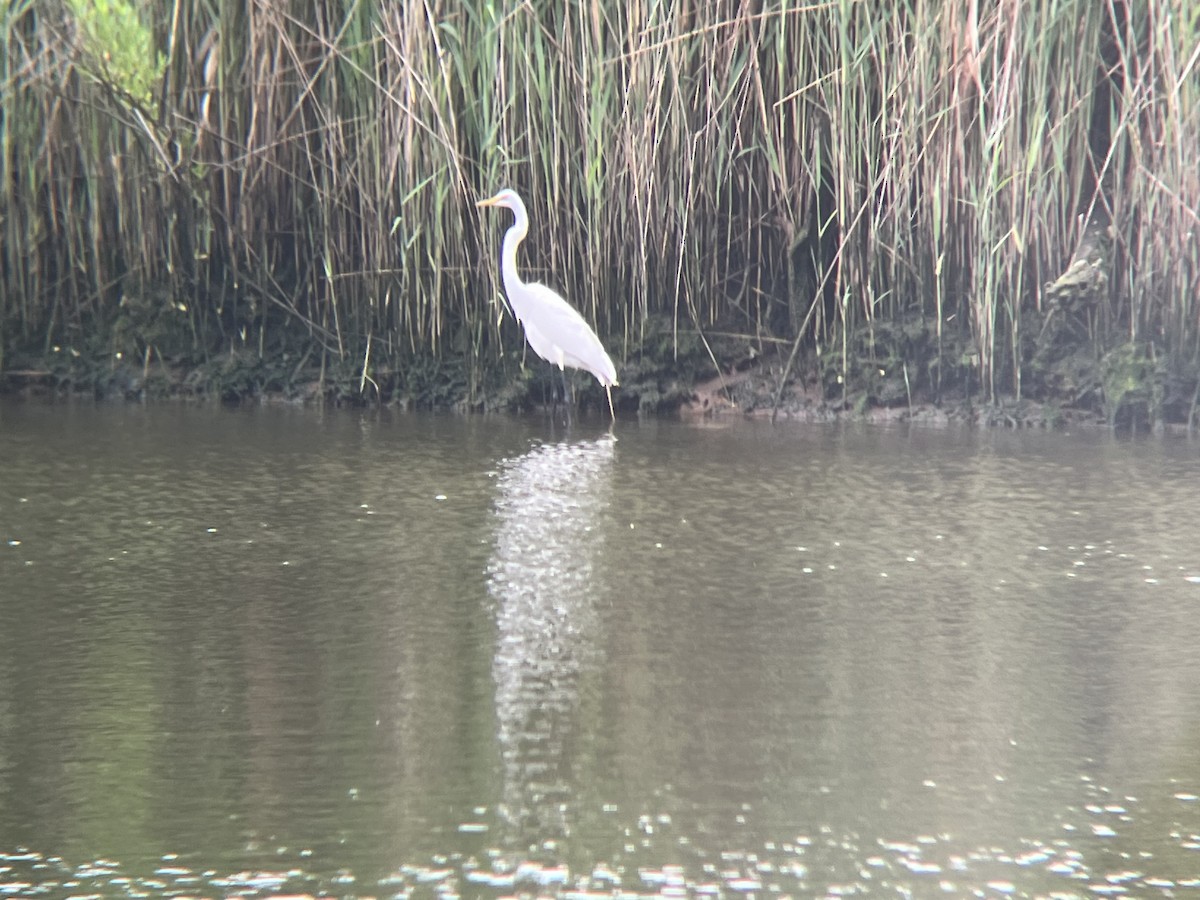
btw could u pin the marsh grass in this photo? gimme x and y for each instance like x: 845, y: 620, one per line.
x: 851, y: 187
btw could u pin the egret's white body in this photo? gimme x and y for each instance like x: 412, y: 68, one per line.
x: 555, y: 330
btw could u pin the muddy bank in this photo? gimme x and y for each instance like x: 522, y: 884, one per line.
x: 753, y: 395
x: 750, y: 393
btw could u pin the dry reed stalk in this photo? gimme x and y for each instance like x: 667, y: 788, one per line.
x: 887, y: 184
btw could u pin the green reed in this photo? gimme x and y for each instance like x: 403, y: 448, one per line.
x: 882, y: 183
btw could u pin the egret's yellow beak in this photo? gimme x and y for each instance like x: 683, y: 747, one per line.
x: 490, y: 201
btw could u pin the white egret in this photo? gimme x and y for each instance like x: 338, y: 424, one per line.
x: 555, y: 330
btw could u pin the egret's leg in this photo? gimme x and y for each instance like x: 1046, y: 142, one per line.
x: 568, y: 395
x: 553, y: 399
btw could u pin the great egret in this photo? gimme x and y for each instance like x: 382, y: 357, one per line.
x: 555, y: 331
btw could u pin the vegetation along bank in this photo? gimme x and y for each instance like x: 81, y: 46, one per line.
x: 820, y: 207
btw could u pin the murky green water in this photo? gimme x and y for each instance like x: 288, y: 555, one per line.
x: 253, y: 653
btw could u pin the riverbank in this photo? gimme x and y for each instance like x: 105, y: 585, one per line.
x: 933, y: 204
x: 690, y: 387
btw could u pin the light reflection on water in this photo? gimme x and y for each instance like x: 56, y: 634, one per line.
x: 277, y: 652
x: 543, y: 581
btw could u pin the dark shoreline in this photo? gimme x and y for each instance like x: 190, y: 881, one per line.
x: 747, y: 395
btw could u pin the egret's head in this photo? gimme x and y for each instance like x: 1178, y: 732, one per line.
x: 507, y: 198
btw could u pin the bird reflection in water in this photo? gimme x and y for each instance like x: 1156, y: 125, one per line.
x: 548, y: 543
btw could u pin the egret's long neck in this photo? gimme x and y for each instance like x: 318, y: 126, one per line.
x: 508, y: 254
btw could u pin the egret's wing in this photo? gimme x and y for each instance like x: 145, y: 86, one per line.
x: 559, y: 334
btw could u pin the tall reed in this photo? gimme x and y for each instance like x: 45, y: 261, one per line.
x: 880, y: 182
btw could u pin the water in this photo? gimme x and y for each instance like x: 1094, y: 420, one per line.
x: 273, y: 652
